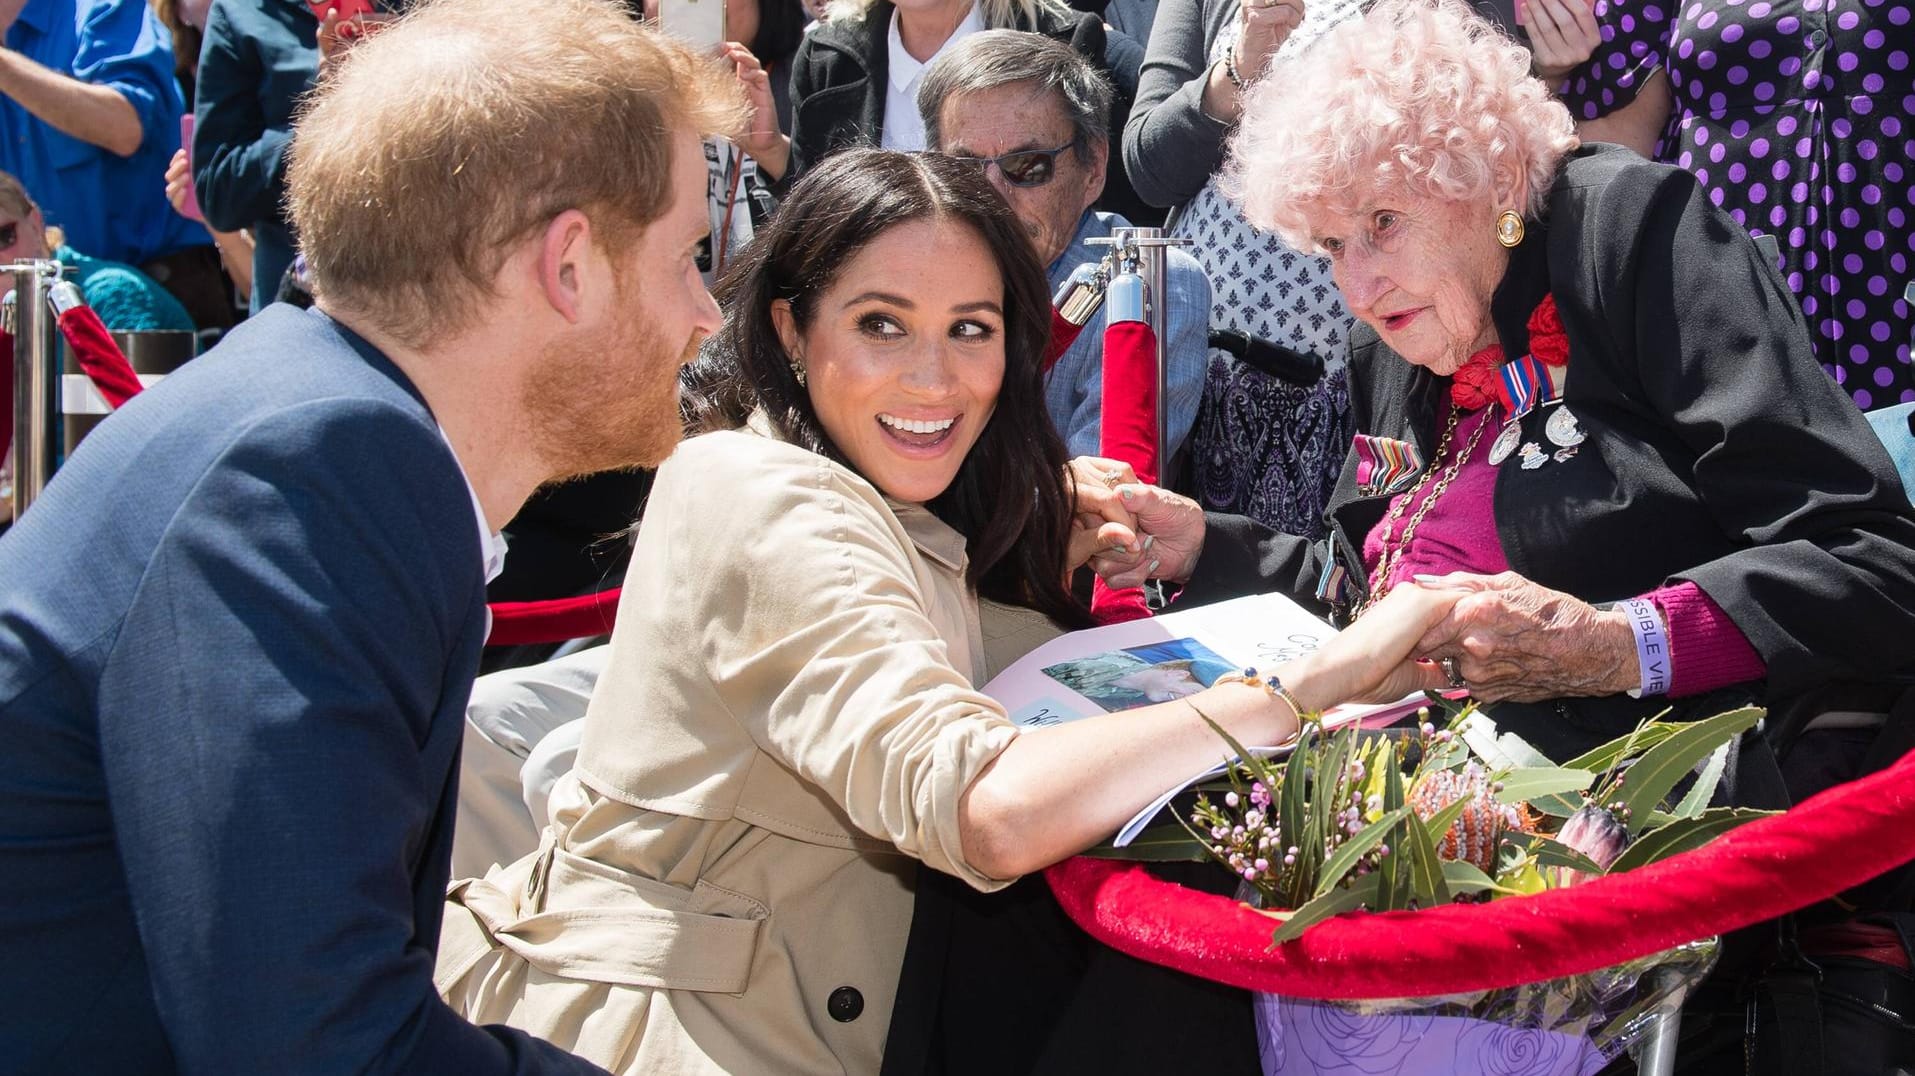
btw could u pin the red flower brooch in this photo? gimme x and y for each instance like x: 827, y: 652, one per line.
x: 1478, y: 380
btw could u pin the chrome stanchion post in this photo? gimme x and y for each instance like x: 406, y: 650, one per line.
x: 1147, y: 248
x: 36, y: 381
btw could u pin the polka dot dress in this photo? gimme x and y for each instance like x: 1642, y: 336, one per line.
x: 1798, y: 117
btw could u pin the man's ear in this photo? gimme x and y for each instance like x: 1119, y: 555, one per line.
x: 567, y: 262
x: 1096, y: 169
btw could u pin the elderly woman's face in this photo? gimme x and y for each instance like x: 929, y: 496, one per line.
x: 1420, y: 271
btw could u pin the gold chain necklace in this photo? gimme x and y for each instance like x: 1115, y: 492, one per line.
x: 1393, y: 554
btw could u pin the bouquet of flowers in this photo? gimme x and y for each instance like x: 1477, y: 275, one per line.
x: 1351, y: 821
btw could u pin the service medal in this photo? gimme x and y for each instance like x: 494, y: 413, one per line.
x: 1563, y: 429
x: 1506, y: 442
x: 1533, y: 456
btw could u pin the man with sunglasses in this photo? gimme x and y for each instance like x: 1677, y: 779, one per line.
x: 1034, y: 115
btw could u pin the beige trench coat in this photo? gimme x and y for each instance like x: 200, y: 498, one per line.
x: 786, y: 722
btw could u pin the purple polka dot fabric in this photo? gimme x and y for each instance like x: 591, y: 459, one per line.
x: 1798, y: 117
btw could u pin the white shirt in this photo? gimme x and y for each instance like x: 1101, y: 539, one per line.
x: 903, y: 127
x: 491, y: 542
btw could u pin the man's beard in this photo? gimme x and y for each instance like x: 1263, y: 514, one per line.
x: 607, y: 400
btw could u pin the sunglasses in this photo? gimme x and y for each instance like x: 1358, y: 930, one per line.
x: 1026, y: 167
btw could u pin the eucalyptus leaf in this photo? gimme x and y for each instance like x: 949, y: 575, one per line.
x: 1704, y: 789
x: 1550, y: 853
x: 1652, y: 775
x: 1427, y: 881
x: 1683, y: 835
x: 1354, y: 849
x: 1158, y: 844
x: 1359, y: 894
x: 1641, y: 738
x: 1530, y: 782
x: 1460, y: 877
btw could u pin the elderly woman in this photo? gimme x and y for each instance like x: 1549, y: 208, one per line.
x: 726, y: 883
x: 1576, y: 383
x: 1578, y: 387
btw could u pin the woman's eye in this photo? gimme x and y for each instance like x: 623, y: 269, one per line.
x: 1385, y: 220
x: 879, y: 325
x: 973, y: 330
x: 1331, y: 246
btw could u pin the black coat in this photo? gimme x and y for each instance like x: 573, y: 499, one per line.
x: 838, y: 84
x: 1717, y: 452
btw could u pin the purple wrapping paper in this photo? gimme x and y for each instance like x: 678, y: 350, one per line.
x: 1296, y: 1037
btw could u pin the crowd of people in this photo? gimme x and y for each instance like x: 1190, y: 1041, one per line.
x: 1601, y: 294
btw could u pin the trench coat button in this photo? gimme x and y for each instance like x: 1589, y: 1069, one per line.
x: 845, y: 1004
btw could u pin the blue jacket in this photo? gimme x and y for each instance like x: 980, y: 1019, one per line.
x: 237, y: 636
x: 258, y: 57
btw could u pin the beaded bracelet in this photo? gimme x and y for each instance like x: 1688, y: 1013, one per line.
x: 1269, y: 683
x: 1230, y: 69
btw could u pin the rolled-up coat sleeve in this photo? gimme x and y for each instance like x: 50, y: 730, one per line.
x: 821, y: 641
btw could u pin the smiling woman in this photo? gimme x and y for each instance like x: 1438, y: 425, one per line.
x: 787, y: 717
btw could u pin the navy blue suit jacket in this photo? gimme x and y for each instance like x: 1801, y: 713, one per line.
x: 237, y: 636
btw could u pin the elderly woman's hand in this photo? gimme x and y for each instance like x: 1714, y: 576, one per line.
x: 1521, y: 641
x: 1562, y: 36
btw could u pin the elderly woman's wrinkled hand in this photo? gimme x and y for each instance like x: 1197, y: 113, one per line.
x: 1267, y: 24
x: 1520, y: 641
x: 1562, y: 36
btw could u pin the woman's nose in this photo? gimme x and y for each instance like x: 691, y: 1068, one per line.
x: 931, y: 371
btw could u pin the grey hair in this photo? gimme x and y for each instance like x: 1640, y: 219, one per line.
x: 1011, y: 57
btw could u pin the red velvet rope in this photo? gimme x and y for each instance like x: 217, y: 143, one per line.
x: 1830, y: 843
x: 1063, y: 335
x: 99, y: 356
x: 1128, y: 432
x: 536, y: 623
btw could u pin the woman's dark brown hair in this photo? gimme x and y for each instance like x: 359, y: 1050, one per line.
x: 1011, y: 498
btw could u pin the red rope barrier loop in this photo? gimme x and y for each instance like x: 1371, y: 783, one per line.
x: 94, y: 349
x: 1766, y: 868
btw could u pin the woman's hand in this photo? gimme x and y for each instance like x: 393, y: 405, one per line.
x: 179, y: 184
x: 762, y: 139
x: 1373, y: 660
x: 1562, y: 36
x: 1129, y: 531
x: 1521, y: 641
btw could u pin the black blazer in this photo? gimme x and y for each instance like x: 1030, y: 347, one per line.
x: 1717, y: 450
x: 838, y: 84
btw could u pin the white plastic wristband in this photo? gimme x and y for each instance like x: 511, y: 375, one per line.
x: 1652, y: 646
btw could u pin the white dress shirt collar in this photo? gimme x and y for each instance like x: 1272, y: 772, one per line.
x: 903, y: 127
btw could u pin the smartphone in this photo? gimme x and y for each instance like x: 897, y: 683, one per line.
x: 348, y: 9
x: 190, y: 208
x: 698, y: 22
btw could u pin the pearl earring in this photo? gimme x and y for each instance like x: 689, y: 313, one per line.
x: 1509, y: 228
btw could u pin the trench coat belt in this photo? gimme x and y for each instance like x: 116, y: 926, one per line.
x: 581, y: 919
